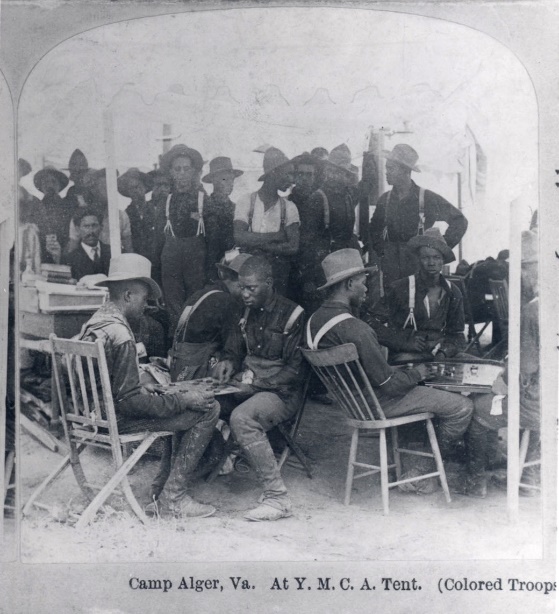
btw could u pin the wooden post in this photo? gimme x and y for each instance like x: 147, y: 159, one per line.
x: 5, y: 244
x: 513, y: 444
x: 112, y: 191
x: 459, y: 181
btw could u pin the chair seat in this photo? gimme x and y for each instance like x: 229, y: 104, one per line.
x: 389, y: 422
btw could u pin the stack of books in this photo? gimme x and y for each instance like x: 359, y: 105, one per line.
x: 56, y: 273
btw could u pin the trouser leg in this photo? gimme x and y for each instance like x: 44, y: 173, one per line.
x: 249, y: 423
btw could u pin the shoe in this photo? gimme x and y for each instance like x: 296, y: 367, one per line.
x: 187, y: 507
x: 157, y: 508
x: 265, y: 512
x: 470, y: 486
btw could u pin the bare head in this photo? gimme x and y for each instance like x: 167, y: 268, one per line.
x: 256, y: 281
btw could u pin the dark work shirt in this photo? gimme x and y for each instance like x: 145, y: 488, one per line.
x: 401, y: 217
x: 218, y: 219
x: 445, y: 326
x: 341, y: 207
x: 388, y: 383
x: 213, y: 319
x: 264, y: 331
x: 183, y: 213
x: 142, y: 228
x: 53, y: 217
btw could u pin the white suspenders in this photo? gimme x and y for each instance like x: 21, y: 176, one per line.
x: 201, y: 230
x: 411, y: 303
x: 313, y: 343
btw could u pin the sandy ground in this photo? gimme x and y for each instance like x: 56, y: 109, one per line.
x: 419, y: 527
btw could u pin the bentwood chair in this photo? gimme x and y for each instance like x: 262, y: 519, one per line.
x: 83, y: 389
x: 341, y: 372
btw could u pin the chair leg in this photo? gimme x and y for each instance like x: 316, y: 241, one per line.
x: 46, y: 482
x: 395, y: 453
x: 384, y: 471
x: 132, y: 501
x: 524, y: 442
x: 350, y: 466
x: 438, y: 459
x: 89, y: 513
x: 292, y: 445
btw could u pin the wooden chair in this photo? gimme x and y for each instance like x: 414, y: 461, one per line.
x: 341, y: 372
x: 473, y: 335
x: 88, y: 417
x: 500, y: 291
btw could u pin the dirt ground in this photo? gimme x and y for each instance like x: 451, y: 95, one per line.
x: 419, y: 527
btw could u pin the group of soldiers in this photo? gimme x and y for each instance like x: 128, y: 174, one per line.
x: 247, y: 284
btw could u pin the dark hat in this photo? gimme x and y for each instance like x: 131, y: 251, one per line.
x: 342, y: 264
x: 157, y: 172
x: 220, y: 165
x: 50, y: 170
x: 340, y: 157
x: 233, y: 265
x: 404, y: 155
x: 123, y: 182
x: 306, y: 158
x: 77, y: 162
x: 181, y: 150
x: 23, y: 167
x: 432, y: 238
x: 273, y: 159
x: 320, y: 152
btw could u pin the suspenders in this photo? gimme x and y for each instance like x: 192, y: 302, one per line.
x: 286, y: 329
x: 411, y: 303
x: 421, y: 223
x: 188, y: 311
x: 313, y: 343
x: 283, y: 213
x: 201, y: 230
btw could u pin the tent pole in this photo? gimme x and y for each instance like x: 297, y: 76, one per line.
x: 112, y: 191
x: 459, y: 182
x: 513, y: 462
x: 4, y: 300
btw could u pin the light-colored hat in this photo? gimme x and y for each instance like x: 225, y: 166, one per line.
x: 341, y: 265
x: 50, y: 170
x: 220, y: 165
x: 128, y: 267
x: 529, y: 247
x: 432, y: 238
x: 404, y: 155
x: 233, y: 265
x: 123, y: 182
x: 273, y: 159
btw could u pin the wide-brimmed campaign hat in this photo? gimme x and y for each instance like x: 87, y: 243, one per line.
x: 340, y: 157
x: 50, y: 170
x: 341, y: 265
x: 403, y: 154
x: 128, y: 267
x: 220, y: 165
x: 273, y: 159
x: 77, y: 161
x: 123, y: 182
x: 181, y: 150
x: 432, y: 238
x: 233, y: 265
x: 529, y: 247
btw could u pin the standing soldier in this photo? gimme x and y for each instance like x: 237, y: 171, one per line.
x: 406, y: 211
x: 159, y: 193
x: 77, y: 195
x: 183, y: 258
x: 220, y: 212
x: 267, y: 223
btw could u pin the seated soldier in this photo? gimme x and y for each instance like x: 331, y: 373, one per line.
x: 262, y: 357
x: 421, y: 318
x: 397, y: 390
x: 490, y: 410
x: 205, y: 323
x: 192, y: 416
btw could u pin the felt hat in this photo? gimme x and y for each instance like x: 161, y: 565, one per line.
x: 23, y: 167
x: 181, y: 150
x: 306, y: 158
x: 123, y: 182
x: 220, y: 165
x: 404, y: 155
x: 320, y: 152
x: 128, y: 267
x: 273, y: 159
x: 233, y: 265
x: 432, y: 238
x: 50, y: 170
x: 156, y: 173
x: 529, y: 247
x: 341, y: 265
x: 340, y: 157
x: 77, y: 162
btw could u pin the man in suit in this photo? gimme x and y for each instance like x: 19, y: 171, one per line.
x: 91, y: 257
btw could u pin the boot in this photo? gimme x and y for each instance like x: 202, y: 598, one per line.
x: 474, y: 484
x: 275, y: 501
x: 164, y: 469
x: 190, y: 448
